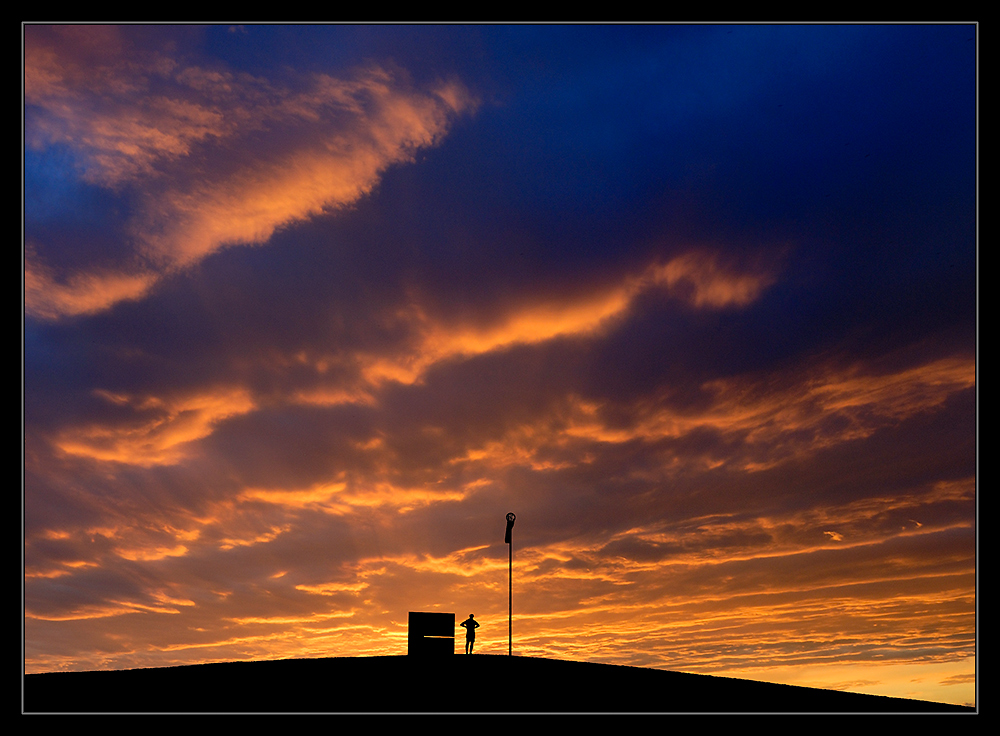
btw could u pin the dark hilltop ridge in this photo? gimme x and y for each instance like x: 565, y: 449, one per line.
x: 462, y: 684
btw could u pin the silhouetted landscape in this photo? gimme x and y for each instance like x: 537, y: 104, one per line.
x: 479, y: 683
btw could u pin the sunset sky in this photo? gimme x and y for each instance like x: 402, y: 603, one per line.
x: 309, y: 309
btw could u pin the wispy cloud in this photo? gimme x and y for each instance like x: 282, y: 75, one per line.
x: 224, y: 159
x: 696, y: 278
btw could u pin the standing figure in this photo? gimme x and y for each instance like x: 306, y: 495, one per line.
x: 470, y: 625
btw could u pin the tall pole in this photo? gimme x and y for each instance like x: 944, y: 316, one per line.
x: 510, y: 599
x: 510, y: 585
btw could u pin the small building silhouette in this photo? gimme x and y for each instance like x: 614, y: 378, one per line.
x: 430, y: 634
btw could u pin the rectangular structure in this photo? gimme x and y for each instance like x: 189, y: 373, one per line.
x: 430, y: 634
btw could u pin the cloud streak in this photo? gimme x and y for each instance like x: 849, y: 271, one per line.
x: 138, y: 125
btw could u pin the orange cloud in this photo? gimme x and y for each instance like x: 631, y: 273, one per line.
x: 806, y: 403
x: 181, y: 132
x: 338, y: 499
x: 337, y: 165
x: 85, y: 293
x: 161, y: 439
x: 782, y: 423
x: 696, y: 278
x: 111, y: 608
x: 706, y: 283
x: 96, y: 90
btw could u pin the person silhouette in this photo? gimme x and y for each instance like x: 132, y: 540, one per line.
x: 470, y: 625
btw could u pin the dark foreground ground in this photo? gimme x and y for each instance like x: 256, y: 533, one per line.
x: 479, y: 683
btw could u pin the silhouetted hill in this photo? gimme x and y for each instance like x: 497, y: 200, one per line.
x: 480, y: 683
